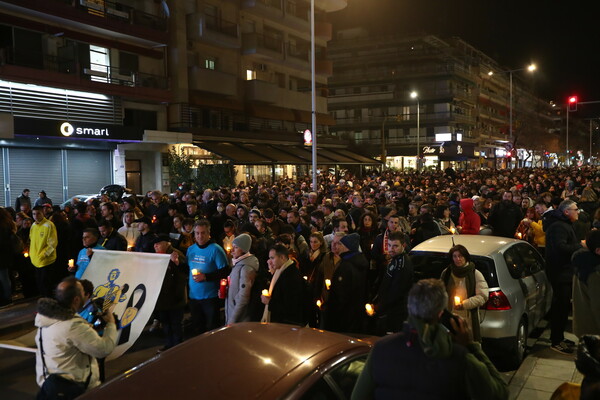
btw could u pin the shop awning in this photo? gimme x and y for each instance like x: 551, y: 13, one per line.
x: 258, y: 153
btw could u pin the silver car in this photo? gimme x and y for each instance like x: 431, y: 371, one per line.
x: 519, y: 291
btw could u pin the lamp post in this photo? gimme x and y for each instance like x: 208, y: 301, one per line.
x: 313, y: 95
x: 415, y: 95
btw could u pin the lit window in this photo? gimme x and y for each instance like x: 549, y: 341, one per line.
x: 209, y: 63
x: 250, y: 75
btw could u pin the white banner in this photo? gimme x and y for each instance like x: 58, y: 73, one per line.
x: 131, y: 281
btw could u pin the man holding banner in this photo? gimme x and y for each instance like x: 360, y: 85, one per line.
x: 208, y: 265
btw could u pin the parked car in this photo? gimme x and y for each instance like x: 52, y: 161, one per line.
x: 247, y: 361
x: 79, y: 197
x: 519, y: 291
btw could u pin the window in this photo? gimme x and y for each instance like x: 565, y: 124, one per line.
x: 346, y: 375
x: 250, y: 75
x: 128, y: 63
x: 430, y: 265
x: 99, y: 63
x: 532, y: 260
x: 514, y: 263
x: 209, y: 63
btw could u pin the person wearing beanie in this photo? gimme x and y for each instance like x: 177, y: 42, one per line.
x: 344, y: 309
x: 241, y: 280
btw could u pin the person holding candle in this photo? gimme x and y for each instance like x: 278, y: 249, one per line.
x: 285, y: 299
x: 344, y: 311
x: 241, y: 280
x: 467, y: 288
x: 390, y: 304
x: 210, y: 261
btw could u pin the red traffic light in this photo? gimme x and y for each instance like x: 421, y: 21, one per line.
x: 572, y: 103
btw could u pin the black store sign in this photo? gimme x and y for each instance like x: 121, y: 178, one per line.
x: 448, y: 149
x: 75, y: 130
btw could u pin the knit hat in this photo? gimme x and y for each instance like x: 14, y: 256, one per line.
x: 352, y: 241
x: 243, y: 241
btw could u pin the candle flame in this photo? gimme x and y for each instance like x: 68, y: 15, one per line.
x: 26, y: 254
x: 194, y: 271
x: 327, y: 283
x: 319, y: 304
x: 453, y: 230
x: 265, y: 292
x: 370, y: 310
x: 457, y: 300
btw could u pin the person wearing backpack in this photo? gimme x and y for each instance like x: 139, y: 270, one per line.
x: 241, y: 280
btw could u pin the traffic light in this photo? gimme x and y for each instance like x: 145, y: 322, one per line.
x: 572, y: 103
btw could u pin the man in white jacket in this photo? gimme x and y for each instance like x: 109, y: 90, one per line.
x: 70, y: 344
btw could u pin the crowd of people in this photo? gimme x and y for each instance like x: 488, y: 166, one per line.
x: 333, y: 257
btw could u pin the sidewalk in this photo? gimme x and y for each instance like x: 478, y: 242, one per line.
x: 543, y: 370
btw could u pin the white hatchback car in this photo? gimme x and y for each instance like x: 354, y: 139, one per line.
x: 519, y: 291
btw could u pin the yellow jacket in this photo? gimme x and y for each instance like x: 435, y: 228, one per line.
x: 539, y: 236
x: 43, y: 242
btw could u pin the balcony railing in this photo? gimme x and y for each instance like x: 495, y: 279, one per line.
x: 119, y: 11
x: 222, y: 26
x: 271, y: 3
x: 93, y: 72
x: 295, y: 51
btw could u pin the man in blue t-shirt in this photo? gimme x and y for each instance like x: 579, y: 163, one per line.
x: 90, y: 243
x: 208, y: 265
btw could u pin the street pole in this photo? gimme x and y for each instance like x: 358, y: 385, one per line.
x: 313, y: 96
x: 418, y: 132
x: 567, y: 161
x: 383, y: 149
x: 510, y: 106
x: 590, y: 159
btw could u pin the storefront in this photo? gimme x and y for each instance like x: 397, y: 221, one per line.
x: 436, y: 156
x: 62, y: 158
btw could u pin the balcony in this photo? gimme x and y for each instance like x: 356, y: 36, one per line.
x: 324, y: 67
x: 209, y: 80
x: 298, y: 55
x: 262, y: 46
x: 270, y: 93
x: 218, y: 32
x: 271, y: 9
x: 106, y: 17
x: 297, y: 16
x: 25, y: 66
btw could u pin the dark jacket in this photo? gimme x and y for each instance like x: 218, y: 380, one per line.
x: 114, y: 241
x: 504, y: 218
x: 391, y: 303
x: 561, y: 243
x: 173, y: 290
x: 145, y: 243
x: 345, y: 308
x: 287, y: 298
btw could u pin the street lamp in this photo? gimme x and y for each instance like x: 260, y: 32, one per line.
x: 415, y: 95
x: 530, y: 68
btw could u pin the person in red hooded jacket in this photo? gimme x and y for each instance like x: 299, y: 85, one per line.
x: 469, y: 221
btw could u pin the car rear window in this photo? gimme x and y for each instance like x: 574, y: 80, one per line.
x: 431, y: 264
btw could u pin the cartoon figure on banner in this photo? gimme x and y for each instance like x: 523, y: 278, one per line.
x: 110, y: 289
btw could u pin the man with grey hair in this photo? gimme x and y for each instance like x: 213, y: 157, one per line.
x: 405, y: 364
x: 561, y: 243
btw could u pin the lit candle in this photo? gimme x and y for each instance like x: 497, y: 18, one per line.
x: 457, y: 301
x: 370, y: 310
x: 194, y: 271
x: 71, y: 263
x: 319, y: 304
x: 371, y: 246
x: 327, y: 283
x: 228, y: 248
x: 305, y: 277
x: 26, y: 254
x: 519, y: 235
x: 129, y: 247
x: 452, y: 230
x: 265, y: 292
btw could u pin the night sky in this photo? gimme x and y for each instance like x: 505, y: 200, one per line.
x: 562, y: 38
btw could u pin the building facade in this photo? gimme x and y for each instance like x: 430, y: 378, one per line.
x: 459, y: 114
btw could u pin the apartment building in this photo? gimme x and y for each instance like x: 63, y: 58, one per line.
x: 242, y: 83
x: 82, y: 83
x: 457, y: 113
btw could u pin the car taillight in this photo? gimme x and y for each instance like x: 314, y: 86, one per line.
x: 497, y: 301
